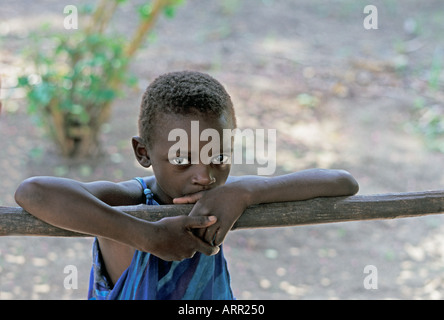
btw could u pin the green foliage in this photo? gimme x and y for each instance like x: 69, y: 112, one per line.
x: 429, y: 113
x: 436, y: 69
x: 74, y: 85
x: 74, y: 73
x: 79, y: 74
x: 430, y: 123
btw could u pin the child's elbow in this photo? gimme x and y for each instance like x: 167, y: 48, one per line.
x: 347, y: 183
x: 28, y: 192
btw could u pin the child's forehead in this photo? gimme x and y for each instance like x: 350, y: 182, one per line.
x: 191, y: 132
x: 169, y: 121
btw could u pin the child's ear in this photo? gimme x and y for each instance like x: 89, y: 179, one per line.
x: 141, y: 152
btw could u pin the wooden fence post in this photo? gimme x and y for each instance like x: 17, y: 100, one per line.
x: 16, y: 221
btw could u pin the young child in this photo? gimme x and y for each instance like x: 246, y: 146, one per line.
x: 177, y: 257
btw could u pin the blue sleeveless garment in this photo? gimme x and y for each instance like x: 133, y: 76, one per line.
x: 151, y: 278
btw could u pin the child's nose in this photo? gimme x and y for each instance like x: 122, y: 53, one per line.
x: 203, y: 175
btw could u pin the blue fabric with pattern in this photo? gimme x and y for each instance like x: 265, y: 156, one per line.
x: 151, y: 278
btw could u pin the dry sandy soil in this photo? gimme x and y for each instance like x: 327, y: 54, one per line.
x: 339, y: 95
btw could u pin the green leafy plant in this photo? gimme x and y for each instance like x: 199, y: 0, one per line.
x: 430, y: 123
x: 76, y: 81
x: 429, y: 113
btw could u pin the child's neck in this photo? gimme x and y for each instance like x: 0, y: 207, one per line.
x: 160, y: 197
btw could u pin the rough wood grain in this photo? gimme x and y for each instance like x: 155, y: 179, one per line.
x: 16, y: 221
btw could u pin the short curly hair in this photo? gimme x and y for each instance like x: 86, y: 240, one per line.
x: 184, y: 93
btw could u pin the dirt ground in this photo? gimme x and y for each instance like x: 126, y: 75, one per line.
x: 339, y: 95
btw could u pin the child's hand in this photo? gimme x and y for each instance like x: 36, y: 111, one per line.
x: 224, y: 202
x: 176, y: 240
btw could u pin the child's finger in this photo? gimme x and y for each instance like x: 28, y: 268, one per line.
x: 207, y: 249
x: 192, y: 198
x: 200, y: 232
x: 210, y: 234
x: 200, y: 221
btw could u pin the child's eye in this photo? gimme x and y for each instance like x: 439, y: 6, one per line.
x: 179, y: 161
x: 220, y: 159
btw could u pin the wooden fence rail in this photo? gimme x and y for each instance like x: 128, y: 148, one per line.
x: 16, y: 221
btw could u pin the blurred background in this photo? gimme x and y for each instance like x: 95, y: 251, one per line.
x: 340, y: 95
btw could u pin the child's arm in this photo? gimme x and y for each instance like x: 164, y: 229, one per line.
x: 87, y: 208
x: 229, y: 201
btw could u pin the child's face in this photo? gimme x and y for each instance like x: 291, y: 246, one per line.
x: 194, y: 169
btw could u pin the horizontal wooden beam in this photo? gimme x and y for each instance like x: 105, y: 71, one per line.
x: 16, y: 221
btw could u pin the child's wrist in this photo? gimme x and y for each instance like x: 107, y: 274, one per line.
x: 243, y: 191
x: 141, y: 235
